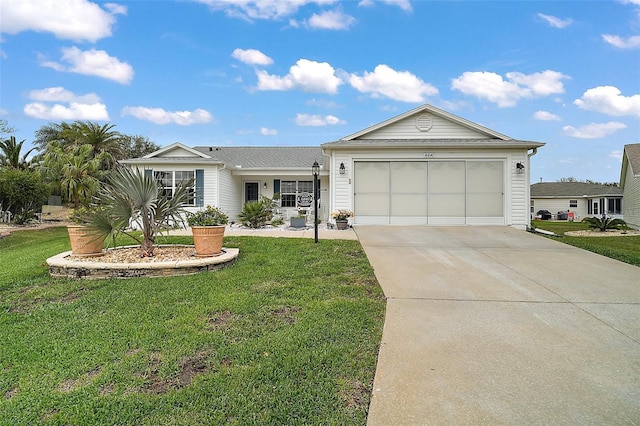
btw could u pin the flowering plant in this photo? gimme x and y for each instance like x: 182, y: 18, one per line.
x: 342, y: 214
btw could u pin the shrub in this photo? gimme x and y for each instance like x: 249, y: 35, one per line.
x: 604, y: 223
x: 22, y: 192
x: 256, y: 214
x: 210, y: 216
x: 277, y: 221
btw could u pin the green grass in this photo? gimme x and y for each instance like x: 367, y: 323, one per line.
x: 625, y: 249
x: 287, y: 335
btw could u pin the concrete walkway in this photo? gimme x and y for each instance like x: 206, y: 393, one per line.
x: 491, y: 325
x: 323, y: 233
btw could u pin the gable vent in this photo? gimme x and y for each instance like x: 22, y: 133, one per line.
x: 424, y: 122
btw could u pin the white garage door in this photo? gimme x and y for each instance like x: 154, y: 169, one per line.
x: 429, y: 192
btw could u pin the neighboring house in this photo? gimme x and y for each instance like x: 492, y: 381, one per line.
x: 423, y: 167
x: 630, y: 184
x: 580, y: 198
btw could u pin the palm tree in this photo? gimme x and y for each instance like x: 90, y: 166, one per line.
x: 104, y: 142
x: 74, y: 173
x: 10, y: 154
x: 134, y: 197
x: 604, y: 223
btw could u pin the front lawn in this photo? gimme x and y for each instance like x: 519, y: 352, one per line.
x: 625, y: 249
x: 287, y: 335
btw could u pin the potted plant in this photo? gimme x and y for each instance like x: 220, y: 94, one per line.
x: 207, y: 227
x: 299, y: 221
x: 85, y: 239
x: 342, y: 218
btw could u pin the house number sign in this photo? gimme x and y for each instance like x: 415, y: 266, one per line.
x: 429, y: 155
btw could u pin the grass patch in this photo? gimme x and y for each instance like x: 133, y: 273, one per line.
x: 287, y: 335
x: 625, y: 249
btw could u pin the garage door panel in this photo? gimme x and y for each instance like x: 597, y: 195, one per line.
x: 484, y: 176
x: 371, y: 177
x: 484, y: 205
x: 446, y: 177
x: 441, y: 205
x: 371, y: 192
x: 409, y: 177
x: 372, y: 204
x: 409, y: 205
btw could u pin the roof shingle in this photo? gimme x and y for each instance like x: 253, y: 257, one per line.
x: 572, y: 189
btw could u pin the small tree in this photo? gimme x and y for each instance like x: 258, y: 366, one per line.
x: 134, y: 197
x: 22, y: 192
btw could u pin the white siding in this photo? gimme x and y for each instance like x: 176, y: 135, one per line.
x: 517, y: 193
x: 631, y: 200
x: 177, y: 152
x: 440, y: 129
x: 342, y: 184
x: 229, y: 193
x: 555, y: 205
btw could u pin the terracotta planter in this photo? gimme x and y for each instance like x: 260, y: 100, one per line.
x: 83, y: 243
x: 208, y: 240
x: 342, y: 224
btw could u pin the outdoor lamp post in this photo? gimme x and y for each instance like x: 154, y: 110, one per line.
x: 315, y: 169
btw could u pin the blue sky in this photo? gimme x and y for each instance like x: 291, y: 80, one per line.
x: 301, y: 72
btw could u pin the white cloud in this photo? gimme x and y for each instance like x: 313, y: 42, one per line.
x: 317, y: 120
x: 78, y: 20
x: 507, y: 92
x: 322, y: 103
x: 74, y: 111
x: 252, y: 57
x: 116, y: 9
x: 160, y: 116
x: 609, y: 100
x: 554, y: 21
x: 402, y: 4
x: 632, y: 42
x: 261, y: 9
x: 546, y: 116
x: 268, y: 132
x: 78, y: 107
x: 306, y: 75
x: 60, y: 94
x: 397, y: 85
x: 92, y: 62
x: 593, y: 130
x: 330, y: 20
x: 617, y: 155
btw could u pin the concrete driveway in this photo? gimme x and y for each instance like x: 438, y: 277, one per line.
x: 491, y: 325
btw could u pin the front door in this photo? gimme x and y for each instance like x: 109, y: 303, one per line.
x: 250, y: 191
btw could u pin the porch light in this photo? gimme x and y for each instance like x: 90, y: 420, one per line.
x: 343, y: 170
x: 519, y: 168
x: 315, y: 170
x: 265, y: 185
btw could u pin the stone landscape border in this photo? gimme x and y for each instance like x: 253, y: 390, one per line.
x: 64, y: 266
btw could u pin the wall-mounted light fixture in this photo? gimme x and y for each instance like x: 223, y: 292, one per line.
x: 265, y: 185
x: 519, y: 168
x: 343, y: 170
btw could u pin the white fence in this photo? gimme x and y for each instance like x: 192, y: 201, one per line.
x: 5, y: 217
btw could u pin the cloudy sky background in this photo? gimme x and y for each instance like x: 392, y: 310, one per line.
x: 302, y: 72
